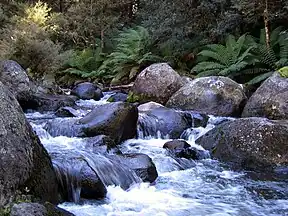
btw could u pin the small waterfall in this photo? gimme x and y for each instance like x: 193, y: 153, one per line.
x: 70, y: 156
x: 110, y: 172
x: 69, y: 179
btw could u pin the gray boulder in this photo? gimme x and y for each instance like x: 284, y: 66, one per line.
x: 46, y: 102
x: 270, y: 100
x: 249, y: 143
x: 87, y: 91
x: 213, y: 95
x: 24, y: 162
x: 37, y: 209
x: 15, y: 78
x: 117, y: 120
x: 158, y: 83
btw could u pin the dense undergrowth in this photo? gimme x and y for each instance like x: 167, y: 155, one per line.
x: 112, y: 41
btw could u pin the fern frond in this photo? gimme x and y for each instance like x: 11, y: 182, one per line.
x: 259, y: 78
x: 205, y: 66
x: 208, y: 73
x: 214, y: 55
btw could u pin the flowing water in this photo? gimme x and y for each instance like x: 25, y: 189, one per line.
x: 183, y: 187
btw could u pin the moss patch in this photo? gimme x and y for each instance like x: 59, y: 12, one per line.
x: 111, y: 99
x: 283, y: 72
x: 132, y: 97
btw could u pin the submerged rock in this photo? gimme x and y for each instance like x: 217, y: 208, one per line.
x: 140, y: 163
x: 249, y: 143
x: 101, y: 144
x: 24, y: 162
x: 87, y: 174
x: 270, y: 100
x: 156, y: 83
x: 67, y: 112
x: 87, y: 91
x: 37, y: 209
x: 181, y: 149
x: 167, y: 122
x: 213, y: 95
x: 76, y: 177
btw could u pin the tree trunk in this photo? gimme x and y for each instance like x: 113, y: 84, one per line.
x: 102, y: 39
x: 266, y: 23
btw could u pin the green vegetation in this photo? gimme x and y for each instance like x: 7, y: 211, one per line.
x: 226, y: 60
x: 283, y: 72
x: 112, y: 41
x: 246, y: 56
x: 131, y: 53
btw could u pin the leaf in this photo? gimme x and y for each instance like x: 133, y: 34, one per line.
x: 133, y: 72
x: 259, y: 78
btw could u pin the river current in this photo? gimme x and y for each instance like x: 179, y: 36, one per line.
x: 183, y: 187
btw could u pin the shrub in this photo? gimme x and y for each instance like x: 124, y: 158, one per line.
x: 27, y: 42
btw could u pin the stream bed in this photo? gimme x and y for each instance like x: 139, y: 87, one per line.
x: 183, y: 187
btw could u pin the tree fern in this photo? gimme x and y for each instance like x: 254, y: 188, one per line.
x: 84, y: 63
x: 225, y: 60
x: 132, y: 50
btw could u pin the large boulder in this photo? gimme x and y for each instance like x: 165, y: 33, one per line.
x: 213, y: 95
x: 15, y: 78
x: 87, y: 91
x: 249, y: 143
x: 37, y: 209
x: 270, y: 100
x: 157, y: 82
x: 154, y: 119
x: 24, y: 163
x: 117, y: 120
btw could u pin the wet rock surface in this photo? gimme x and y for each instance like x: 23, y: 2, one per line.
x: 249, y: 143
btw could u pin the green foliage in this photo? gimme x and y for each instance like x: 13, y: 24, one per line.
x: 37, y: 13
x: 132, y: 98
x: 269, y: 58
x: 131, y: 53
x: 283, y: 72
x: 85, y: 63
x: 248, y: 56
x: 27, y: 41
x: 225, y: 60
x: 85, y: 20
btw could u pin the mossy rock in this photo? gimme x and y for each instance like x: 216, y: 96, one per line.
x: 283, y: 72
